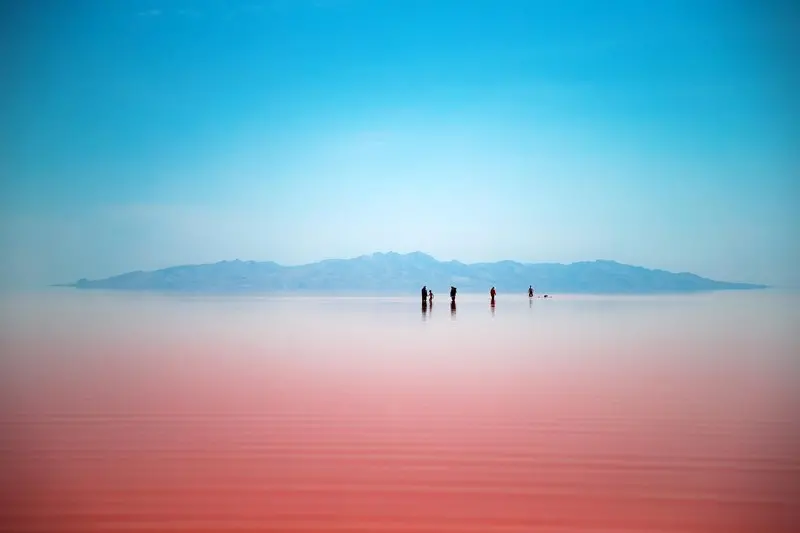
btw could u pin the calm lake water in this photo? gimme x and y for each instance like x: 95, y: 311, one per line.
x: 131, y: 412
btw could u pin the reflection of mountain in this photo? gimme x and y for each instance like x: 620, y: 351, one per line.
x: 408, y: 272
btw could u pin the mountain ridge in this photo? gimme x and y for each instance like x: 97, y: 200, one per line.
x: 392, y: 271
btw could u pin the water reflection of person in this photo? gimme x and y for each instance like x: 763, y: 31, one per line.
x: 453, y: 309
x: 424, y: 310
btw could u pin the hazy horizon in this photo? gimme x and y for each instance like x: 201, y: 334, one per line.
x: 470, y: 297
x: 437, y: 259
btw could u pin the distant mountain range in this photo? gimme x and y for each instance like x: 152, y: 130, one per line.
x: 399, y: 273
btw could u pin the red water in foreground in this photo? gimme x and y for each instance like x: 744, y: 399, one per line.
x: 446, y: 426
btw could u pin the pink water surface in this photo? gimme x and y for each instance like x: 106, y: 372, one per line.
x: 125, y: 412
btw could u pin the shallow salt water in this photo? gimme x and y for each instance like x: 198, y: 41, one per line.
x: 123, y: 412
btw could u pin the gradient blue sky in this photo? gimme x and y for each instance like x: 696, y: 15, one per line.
x: 143, y: 134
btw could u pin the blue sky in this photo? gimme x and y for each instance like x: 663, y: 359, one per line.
x: 143, y: 134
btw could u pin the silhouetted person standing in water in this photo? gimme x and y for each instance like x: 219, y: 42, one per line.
x: 453, y: 291
x: 430, y: 296
x: 492, y: 294
x: 424, y: 294
x: 530, y: 291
